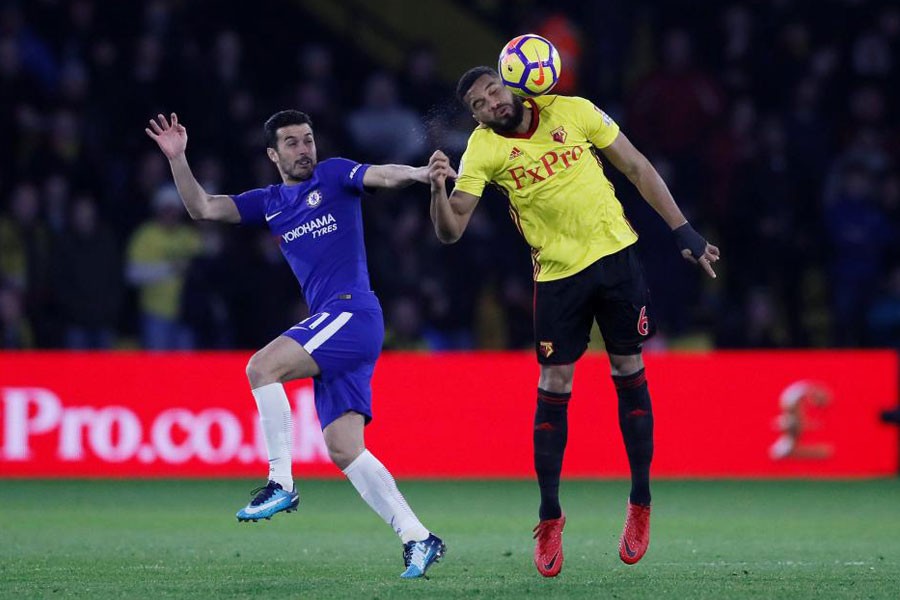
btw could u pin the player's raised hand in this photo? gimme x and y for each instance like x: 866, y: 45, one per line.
x: 439, y: 169
x: 171, y: 137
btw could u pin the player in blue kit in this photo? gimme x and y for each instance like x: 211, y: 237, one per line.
x: 316, y: 214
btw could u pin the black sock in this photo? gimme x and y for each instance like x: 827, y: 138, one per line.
x: 551, y: 429
x: 636, y: 423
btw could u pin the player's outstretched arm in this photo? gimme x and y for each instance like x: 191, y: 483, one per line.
x: 653, y: 189
x: 450, y: 215
x: 171, y: 137
x: 395, y: 176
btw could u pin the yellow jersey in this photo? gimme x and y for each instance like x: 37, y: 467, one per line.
x: 559, y: 198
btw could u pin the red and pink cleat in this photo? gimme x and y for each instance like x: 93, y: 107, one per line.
x: 548, y: 552
x: 636, y: 534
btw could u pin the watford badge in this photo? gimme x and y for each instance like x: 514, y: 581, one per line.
x: 559, y: 135
x: 546, y: 349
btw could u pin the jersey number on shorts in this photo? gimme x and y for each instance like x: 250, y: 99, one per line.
x: 317, y: 319
x: 313, y: 321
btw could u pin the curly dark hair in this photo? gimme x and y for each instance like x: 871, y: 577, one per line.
x: 470, y: 77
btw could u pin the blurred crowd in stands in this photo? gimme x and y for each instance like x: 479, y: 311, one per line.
x: 774, y: 122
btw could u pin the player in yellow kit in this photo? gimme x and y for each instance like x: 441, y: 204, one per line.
x: 545, y: 155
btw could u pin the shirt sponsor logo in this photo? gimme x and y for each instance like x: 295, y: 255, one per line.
x: 549, y: 165
x: 314, y: 198
x: 315, y: 227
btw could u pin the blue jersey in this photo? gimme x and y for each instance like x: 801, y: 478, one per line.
x: 319, y: 226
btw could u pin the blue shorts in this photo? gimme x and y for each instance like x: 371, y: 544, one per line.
x: 345, y: 342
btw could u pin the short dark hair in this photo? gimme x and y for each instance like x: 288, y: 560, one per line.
x: 283, y: 119
x: 469, y: 78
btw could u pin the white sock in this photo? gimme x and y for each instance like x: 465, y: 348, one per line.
x: 378, y: 488
x: 277, y: 427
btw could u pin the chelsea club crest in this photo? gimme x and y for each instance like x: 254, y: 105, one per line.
x: 314, y: 198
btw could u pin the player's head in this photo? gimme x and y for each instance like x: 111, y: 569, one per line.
x: 290, y: 144
x: 492, y: 103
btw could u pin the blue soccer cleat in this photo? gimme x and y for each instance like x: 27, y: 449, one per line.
x: 418, y: 556
x: 267, y: 501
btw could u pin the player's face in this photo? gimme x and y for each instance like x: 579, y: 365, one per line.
x: 494, y: 105
x: 295, y: 155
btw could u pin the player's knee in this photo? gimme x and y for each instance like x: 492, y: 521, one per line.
x: 623, y: 365
x: 259, y: 373
x: 557, y: 378
x: 342, y: 455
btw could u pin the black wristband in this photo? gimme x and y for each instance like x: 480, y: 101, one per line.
x: 686, y: 238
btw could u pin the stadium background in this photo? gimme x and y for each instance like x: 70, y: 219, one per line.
x: 774, y: 125
x: 774, y: 122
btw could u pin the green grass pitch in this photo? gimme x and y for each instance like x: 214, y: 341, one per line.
x: 711, y: 539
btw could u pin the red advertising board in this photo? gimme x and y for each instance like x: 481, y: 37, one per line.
x: 734, y: 414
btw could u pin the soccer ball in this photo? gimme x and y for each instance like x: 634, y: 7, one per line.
x: 529, y: 65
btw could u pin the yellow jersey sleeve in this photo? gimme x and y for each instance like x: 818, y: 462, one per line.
x: 598, y: 126
x: 475, y: 167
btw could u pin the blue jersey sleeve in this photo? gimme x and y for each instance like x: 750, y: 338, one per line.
x: 252, y: 205
x: 348, y: 173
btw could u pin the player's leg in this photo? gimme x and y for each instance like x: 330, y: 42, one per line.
x: 281, y: 360
x: 343, y: 396
x: 636, y: 424
x: 376, y: 486
x: 635, y: 421
x: 551, y: 429
x: 624, y: 321
x: 346, y: 446
x: 562, y: 322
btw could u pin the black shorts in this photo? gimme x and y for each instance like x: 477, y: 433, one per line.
x: 612, y: 290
